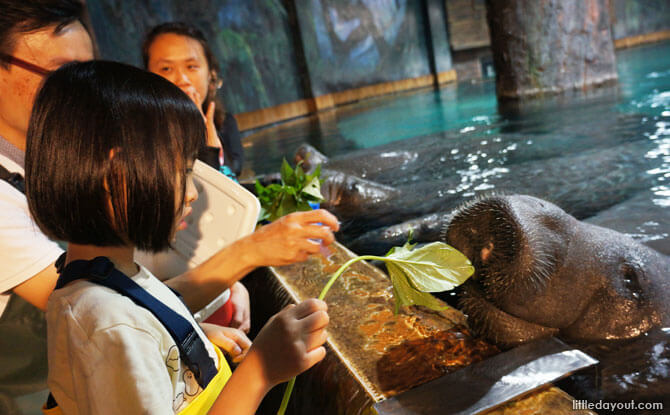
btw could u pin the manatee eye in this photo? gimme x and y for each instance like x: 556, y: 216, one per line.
x: 631, y: 280
x: 486, y: 252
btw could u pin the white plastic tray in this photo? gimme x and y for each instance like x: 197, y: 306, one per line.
x: 223, y: 213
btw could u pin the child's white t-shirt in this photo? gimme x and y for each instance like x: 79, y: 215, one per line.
x: 108, y: 355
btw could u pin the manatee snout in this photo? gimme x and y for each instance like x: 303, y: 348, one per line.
x: 511, y: 241
x: 310, y: 157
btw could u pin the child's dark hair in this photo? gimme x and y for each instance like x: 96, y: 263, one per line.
x: 108, y: 146
x: 187, y: 30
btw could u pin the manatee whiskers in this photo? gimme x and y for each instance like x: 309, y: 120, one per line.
x: 506, y: 255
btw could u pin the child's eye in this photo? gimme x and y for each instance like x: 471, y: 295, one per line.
x: 193, y: 67
x: 165, y: 69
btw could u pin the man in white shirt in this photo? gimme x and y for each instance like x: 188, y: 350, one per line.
x: 36, y: 37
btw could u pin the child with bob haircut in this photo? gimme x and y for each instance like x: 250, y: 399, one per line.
x: 108, y: 169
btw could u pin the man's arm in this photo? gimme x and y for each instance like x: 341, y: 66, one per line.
x: 282, y: 242
x: 285, y: 241
x: 26, y: 255
x: 37, y: 289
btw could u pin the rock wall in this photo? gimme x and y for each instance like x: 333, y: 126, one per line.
x: 549, y: 46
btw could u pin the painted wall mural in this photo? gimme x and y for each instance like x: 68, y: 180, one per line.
x: 635, y: 17
x: 253, y: 41
x: 278, y: 51
x: 348, y: 44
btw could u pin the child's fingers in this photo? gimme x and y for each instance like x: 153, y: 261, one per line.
x: 241, y: 320
x: 315, y: 321
x: 240, y: 339
x: 313, y: 357
x: 309, y: 306
x: 228, y: 345
x: 315, y: 339
x: 232, y: 341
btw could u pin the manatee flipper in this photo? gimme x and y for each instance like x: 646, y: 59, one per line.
x: 502, y: 328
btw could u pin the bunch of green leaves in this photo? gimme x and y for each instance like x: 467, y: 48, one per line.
x: 293, y: 194
x: 414, y: 273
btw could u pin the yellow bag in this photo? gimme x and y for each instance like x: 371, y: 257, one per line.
x: 201, y: 404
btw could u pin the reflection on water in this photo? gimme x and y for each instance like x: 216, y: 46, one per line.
x: 589, y: 152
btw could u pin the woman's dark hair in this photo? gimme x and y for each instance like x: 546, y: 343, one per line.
x: 21, y: 16
x: 185, y: 29
x: 108, y: 146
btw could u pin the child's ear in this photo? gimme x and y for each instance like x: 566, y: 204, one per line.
x: 115, y: 186
x: 112, y: 153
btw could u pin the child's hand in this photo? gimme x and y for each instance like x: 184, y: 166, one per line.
x: 232, y: 341
x: 292, y: 341
x: 242, y: 309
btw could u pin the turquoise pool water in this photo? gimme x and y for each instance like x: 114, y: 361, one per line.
x: 644, y: 88
x: 587, y: 152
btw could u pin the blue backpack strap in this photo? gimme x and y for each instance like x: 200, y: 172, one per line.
x: 102, y: 271
x: 15, y: 179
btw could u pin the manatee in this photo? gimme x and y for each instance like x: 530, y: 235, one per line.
x: 540, y: 272
x: 379, y: 241
x: 367, y: 164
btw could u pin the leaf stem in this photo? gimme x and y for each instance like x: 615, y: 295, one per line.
x: 341, y: 270
x: 287, y: 396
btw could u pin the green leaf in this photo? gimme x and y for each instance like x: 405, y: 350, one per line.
x: 299, y: 176
x: 405, y: 294
x: 313, y: 189
x: 294, y: 193
x: 303, y: 206
x: 317, y: 172
x: 263, y: 215
x: 432, y: 268
x: 287, y: 174
x: 287, y: 205
x: 259, y: 187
